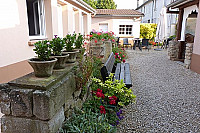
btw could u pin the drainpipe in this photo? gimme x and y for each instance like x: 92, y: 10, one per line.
x: 152, y: 10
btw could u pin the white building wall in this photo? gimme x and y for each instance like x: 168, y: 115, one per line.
x: 152, y: 13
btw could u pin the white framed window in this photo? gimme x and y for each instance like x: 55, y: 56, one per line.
x: 125, y: 29
x: 36, y: 18
x: 103, y: 27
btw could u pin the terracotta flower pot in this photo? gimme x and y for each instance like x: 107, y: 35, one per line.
x: 60, y: 64
x: 42, y: 68
x: 72, y: 56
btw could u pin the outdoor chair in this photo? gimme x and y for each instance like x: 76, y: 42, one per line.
x: 145, y: 43
x: 117, y: 41
x: 125, y: 42
x: 137, y: 44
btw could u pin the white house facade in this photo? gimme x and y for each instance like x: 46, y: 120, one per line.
x: 151, y: 10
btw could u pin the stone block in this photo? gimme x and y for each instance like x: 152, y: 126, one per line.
x: 21, y: 102
x: 78, y: 103
x: 47, y: 103
x: 77, y: 94
x: 11, y: 124
x: 5, y: 99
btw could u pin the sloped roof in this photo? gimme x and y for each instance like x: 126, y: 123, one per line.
x: 118, y: 12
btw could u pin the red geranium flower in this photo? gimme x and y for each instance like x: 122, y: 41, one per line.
x: 99, y: 33
x: 95, y: 41
x: 91, y: 35
x: 124, y: 60
x: 123, y: 55
x: 102, y: 111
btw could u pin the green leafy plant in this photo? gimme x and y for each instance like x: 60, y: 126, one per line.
x: 115, y: 88
x: 79, y: 41
x: 43, y: 50
x: 69, y: 40
x: 86, y: 121
x: 57, y: 45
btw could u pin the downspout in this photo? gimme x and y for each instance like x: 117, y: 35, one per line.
x: 152, y: 11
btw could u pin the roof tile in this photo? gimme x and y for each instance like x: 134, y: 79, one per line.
x: 117, y: 12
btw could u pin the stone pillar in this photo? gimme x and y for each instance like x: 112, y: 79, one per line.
x: 173, y: 50
x: 108, y: 50
x: 38, y: 105
x: 188, y: 55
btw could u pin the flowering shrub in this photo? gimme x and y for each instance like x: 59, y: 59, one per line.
x: 69, y: 40
x: 152, y: 43
x: 101, y: 36
x: 120, y: 55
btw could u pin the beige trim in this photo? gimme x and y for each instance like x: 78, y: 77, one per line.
x: 14, y: 71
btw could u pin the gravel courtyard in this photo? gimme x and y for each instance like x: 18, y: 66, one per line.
x: 168, y: 95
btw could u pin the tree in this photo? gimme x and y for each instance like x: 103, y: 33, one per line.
x: 92, y: 3
x: 101, y: 4
x: 106, y: 4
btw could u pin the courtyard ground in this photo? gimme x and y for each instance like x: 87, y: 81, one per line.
x: 168, y: 95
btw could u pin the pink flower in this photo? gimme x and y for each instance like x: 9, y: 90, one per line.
x: 123, y: 55
x: 99, y: 33
x: 95, y: 41
x: 113, y: 40
x: 103, y: 39
x: 116, y: 53
x: 115, y: 56
x: 91, y: 35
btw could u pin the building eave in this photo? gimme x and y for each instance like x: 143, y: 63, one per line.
x: 143, y: 4
x: 113, y: 16
x: 178, y: 3
x: 82, y: 5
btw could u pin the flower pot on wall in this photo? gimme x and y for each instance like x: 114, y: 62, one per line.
x: 72, y: 56
x: 60, y: 64
x: 42, y: 68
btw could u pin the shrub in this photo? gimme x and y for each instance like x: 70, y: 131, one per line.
x: 120, y: 55
x: 57, y: 45
x: 148, y: 31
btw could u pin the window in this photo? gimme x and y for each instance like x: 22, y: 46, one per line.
x: 103, y: 27
x: 36, y: 17
x: 125, y: 29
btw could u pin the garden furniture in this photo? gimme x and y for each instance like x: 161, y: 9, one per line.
x: 137, y: 44
x: 125, y: 42
x: 121, y: 71
x: 145, y: 43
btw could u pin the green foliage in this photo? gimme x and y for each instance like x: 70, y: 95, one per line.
x: 69, y: 40
x: 120, y: 54
x: 148, y: 31
x: 92, y: 3
x: 43, y: 50
x: 101, y: 4
x: 106, y: 4
x: 57, y: 45
x: 116, y: 88
x: 97, y: 64
x: 87, y: 122
x: 79, y: 41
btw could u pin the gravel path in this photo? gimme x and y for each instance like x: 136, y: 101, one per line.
x: 168, y: 95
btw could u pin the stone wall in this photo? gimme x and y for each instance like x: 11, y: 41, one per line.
x: 39, y: 105
x: 173, y: 50
x: 188, y: 55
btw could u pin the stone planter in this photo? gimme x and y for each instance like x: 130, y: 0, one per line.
x: 60, y: 64
x: 42, y: 68
x: 72, y: 56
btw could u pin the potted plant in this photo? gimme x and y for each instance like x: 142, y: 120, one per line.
x: 69, y: 49
x: 78, y: 44
x: 43, y: 64
x: 57, y: 45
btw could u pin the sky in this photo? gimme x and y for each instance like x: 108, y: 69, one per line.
x: 126, y: 4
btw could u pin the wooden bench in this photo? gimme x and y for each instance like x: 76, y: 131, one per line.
x: 121, y: 71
